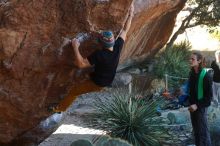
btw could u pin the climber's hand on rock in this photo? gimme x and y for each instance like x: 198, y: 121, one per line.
x: 75, y: 43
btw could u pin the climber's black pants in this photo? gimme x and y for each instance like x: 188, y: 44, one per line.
x: 200, y: 127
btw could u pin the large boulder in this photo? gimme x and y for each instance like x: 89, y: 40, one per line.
x: 36, y: 70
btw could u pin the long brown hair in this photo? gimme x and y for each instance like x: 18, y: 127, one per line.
x: 199, y: 56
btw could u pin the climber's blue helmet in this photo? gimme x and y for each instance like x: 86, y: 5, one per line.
x: 107, y: 39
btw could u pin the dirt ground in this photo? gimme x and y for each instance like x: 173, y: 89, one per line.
x: 72, y: 127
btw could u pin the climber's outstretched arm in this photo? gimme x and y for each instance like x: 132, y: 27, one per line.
x: 127, y: 23
x: 80, y: 62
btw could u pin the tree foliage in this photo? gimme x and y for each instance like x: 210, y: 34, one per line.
x: 202, y: 12
x: 173, y: 61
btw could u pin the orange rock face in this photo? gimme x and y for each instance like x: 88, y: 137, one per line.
x: 36, y: 70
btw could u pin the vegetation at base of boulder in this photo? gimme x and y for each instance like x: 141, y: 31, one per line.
x: 173, y: 61
x: 109, y: 141
x: 102, y: 141
x: 129, y: 116
x: 201, y: 12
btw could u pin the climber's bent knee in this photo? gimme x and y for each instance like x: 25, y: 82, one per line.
x: 85, y: 87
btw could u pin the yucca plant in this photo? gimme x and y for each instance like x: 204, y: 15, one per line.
x: 129, y: 116
x: 173, y: 61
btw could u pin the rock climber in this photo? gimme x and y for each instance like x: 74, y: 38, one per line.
x: 104, y: 61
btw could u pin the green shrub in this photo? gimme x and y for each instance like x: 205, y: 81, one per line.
x: 101, y: 140
x: 81, y: 142
x: 173, y: 61
x: 130, y: 117
x: 115, y: 142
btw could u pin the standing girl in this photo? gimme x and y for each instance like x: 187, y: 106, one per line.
x: 200, y: 94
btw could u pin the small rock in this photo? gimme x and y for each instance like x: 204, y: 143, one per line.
x: 134, y: 71
x: 122, y: 79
